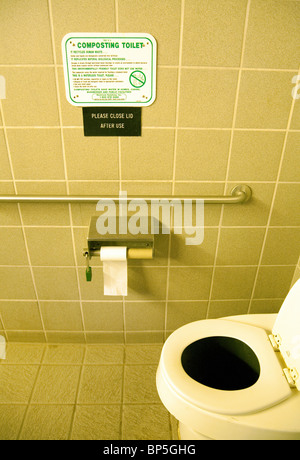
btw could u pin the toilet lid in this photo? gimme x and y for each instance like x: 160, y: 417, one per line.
x: 287, y: 328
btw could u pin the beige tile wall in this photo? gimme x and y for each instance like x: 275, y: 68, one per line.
x: 223, y: 115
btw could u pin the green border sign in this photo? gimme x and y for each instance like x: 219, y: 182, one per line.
x: 109, y: 69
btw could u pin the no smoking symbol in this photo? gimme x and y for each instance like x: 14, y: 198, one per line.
x: 137, y: 79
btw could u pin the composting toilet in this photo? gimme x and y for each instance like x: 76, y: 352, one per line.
x: 237, y: 377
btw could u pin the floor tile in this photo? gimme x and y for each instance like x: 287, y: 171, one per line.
x: 64, y: 354
x: 56, y: 384
x: 104, y: 354
x: 47, y: 422
x: 101, y: 384
x: 23, y: 353
x: 94, y: 422
x: 140, y: 384
x: 145, y: 422
x: 143, y: 354
x: 16, y: 383
x: 10, y: 420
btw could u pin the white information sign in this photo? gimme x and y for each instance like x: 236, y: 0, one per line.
x: 109, y: 69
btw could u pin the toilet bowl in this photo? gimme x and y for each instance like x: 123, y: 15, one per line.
x: 236, y: 377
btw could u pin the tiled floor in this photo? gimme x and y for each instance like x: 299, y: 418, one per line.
x: 82, y: 392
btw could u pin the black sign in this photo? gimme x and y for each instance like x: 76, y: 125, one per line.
x: 113, y: 121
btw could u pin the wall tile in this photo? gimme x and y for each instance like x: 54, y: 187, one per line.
x: 65, y: 316
x: 202, y: 155
x: 56, y: 283
x: 213, y: 32
x: 149, y: 283
x: 273, y: 282
x: 291, y: 158
x: 5, y: 171
x: 162, y: 20
x: 286, y: 210
x: 90, y: 158
x: 203, y: 254
x: 240, y: 246
x: 223, y: 308
x: 14, y: 251
x: 207, y: 98
x: 144, y: 316
x: 264, y: 100
x: 211, y: 213
x: 255, y: 155
x: 191, y: 283
x: 75, y: 16
x: 32, y: 90
x: 149, y: 157
x: 16, y: 283
x: 233, y: 282
x: 103, y: 316
x: 71, y: 115
x: 273, y: 35
x: 281, y: 247
x: 255, y: 212
x: 180, y: 313
x: 295, y: 123
x: 265, y: 306
x: 50, y: 246
x: 41, y: 147
x: 42, y: 214
x: 21, y: 315
x: 18, y: 44
x: 163, y: 111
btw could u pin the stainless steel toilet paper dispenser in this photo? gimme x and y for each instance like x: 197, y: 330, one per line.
x: 138, y: 246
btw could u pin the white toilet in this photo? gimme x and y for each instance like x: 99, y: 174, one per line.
x: 236, y: 377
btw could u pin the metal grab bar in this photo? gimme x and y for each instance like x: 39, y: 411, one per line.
x: 239, y: 194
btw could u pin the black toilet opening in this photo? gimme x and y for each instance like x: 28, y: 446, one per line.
x: 223, y: 363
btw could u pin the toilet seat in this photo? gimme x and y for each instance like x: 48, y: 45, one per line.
x: 271, y: 387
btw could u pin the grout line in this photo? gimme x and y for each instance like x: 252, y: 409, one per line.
x: 273, y: 201
x: 190, y: 128
x: 99, y: 267
x: 194, y: 128
x: 178, y: 93
x: 230, y: 150
x: 64, y: 159
x: 32, y: 391
x: 174, y: 157
x: 58, y: 96
x: 122, y: 393
x: 120, y: 178
x: 76, y: 395
x: 22, y: 223
x: 85, y: 227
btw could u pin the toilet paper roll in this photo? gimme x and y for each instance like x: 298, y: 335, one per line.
x: 114, y: 260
